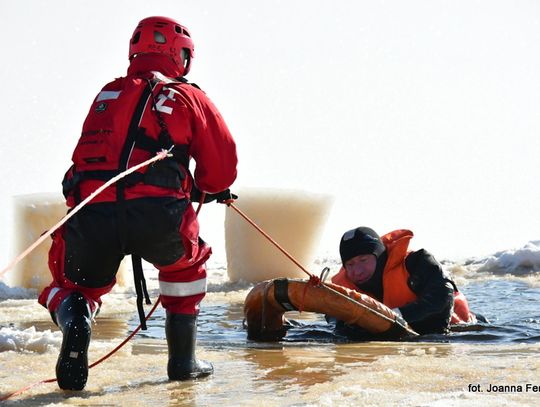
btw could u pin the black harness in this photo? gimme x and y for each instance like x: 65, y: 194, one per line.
x: 281, y: 294
x: 167, y: 173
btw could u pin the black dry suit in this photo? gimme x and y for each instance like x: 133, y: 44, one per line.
x: 431, y: 311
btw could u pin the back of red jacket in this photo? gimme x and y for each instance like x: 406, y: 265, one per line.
x: 125, y: 127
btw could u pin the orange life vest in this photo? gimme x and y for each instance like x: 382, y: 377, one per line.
x: 396, y: 291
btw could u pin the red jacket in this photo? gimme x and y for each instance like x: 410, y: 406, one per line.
x: 190, y: 117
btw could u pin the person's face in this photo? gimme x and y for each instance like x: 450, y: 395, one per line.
x: 361, y: 268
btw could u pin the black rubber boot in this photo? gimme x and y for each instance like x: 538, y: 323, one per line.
x: 181, y: 331
x: 73, y: 319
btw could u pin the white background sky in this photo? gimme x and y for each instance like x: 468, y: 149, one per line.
x: 414, y: 114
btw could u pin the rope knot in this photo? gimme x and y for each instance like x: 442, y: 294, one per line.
x: 164, y: 154
x: 313, y: 281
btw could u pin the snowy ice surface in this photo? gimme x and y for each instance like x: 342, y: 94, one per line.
x: 28, y: 340
x: 7, y: 292
x: 522, y: 261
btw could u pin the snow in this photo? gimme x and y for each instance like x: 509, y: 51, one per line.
x: 15, y: 292
x: 520, y: 261
x: 29, y: 340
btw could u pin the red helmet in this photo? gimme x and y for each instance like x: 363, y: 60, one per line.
x: 163, y: 35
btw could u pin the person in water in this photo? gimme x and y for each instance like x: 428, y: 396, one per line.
x: 412, y: 283
x: 148, y: 214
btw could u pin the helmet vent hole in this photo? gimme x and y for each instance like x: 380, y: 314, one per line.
x: 181, y: 30
x: 136, y: 38
x: 159, y: 37
x: 185, y: 56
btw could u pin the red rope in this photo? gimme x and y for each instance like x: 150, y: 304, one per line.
x: 15, y: 393
x: 159, y: 156
x: 97, y: 362
x: 108, y: 355
x: 201, y: 201
x: 313, y: 281
x: 281, y: 249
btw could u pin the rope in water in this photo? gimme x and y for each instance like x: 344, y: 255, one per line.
x: 314, y: 280
x: 108, y: 355
x: 159, y: 156
x: 97, y: 362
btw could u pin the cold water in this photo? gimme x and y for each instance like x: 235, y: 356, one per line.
x: 494, y: 363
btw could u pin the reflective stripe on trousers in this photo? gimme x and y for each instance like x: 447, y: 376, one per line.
x: 182, y: 289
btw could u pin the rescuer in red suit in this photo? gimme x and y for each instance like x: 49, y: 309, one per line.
x: 149, y: 213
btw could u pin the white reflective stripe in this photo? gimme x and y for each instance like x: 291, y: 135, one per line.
x: 107, y: 94
x: 182, y: 289
x: 161, y: 77
x: 51, y: 295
